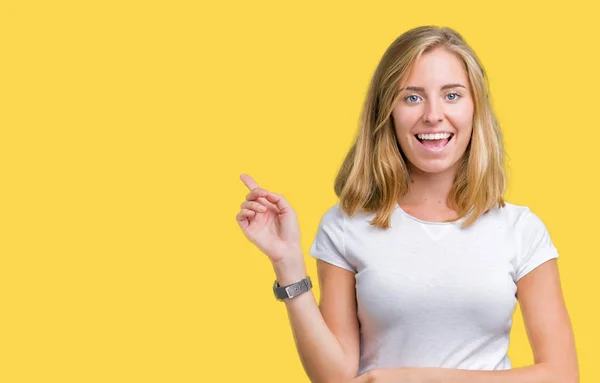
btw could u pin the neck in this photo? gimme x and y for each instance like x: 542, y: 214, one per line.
x: 428, y: 189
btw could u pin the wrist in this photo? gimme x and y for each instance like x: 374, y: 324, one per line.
x: 289, y: 271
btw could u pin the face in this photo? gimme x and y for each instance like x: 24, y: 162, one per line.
x: 433, y: 118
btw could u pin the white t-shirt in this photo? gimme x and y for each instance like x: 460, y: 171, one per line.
x: 431, y: 294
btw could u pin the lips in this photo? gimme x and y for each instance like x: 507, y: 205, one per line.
x: 434, y: 145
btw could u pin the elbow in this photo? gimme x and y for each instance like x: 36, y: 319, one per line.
x: 570, y: 379
x: 569, y: 376
x: 562, y: 376
x: 573, y: 378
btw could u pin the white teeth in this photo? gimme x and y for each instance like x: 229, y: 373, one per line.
x: 436, y: 136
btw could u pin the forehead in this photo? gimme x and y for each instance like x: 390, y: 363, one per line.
x: 436, y: 68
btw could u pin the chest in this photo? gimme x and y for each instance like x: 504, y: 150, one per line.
x: 462, y: 276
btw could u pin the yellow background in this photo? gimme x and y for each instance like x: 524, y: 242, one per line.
x: 125, y: 126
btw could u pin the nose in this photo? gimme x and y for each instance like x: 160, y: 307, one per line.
x: 433, y: 112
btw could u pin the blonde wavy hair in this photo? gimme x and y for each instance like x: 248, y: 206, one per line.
x: 374, y: 174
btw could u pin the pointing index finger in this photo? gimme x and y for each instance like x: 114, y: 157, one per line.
x: 248, y: 181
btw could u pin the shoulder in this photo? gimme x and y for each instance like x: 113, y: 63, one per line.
x: 332, y: 221
x: 514, y: 215
x: 534, y: 244
x: 333, y: 217
x: 334, y: 212
x: 523, y: 218
x: 528, y: 229
x: 518, y: 222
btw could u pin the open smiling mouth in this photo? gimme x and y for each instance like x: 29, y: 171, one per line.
x: 434, y: 142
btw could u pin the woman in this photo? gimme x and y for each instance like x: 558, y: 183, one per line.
x: 421, y: 262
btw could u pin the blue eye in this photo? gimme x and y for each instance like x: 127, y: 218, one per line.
x: 456, y: 94
x: 411, y: 98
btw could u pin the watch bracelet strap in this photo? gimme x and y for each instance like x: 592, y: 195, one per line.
x: 292, y: 290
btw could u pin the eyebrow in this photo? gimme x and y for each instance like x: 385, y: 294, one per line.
x: 447, y: 86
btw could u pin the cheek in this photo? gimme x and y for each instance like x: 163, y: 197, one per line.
x: 404, y: 120
x: 461, y: 118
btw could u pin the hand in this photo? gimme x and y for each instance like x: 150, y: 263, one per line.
x: 387, y: 375
x: 269, y: 222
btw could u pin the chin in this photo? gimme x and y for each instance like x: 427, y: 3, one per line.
x: 434, y: 166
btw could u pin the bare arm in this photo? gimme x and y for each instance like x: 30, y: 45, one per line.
x: 326, y: 335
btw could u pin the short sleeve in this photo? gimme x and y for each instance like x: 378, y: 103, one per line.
x: 328, y: 244
x: 536, y: 246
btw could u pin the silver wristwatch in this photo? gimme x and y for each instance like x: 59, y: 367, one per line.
x: 293, y: 290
